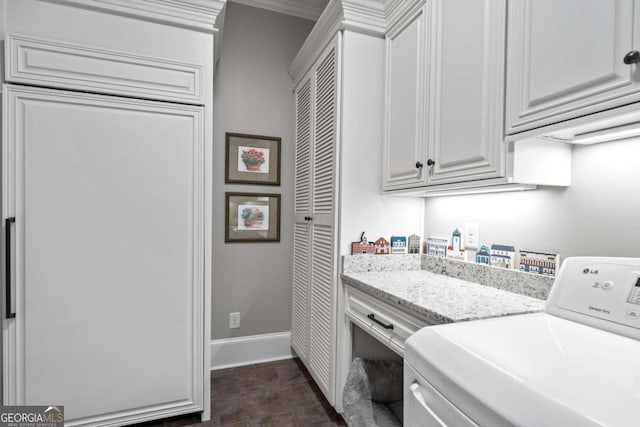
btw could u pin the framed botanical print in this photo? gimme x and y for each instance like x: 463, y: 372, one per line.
x: 252, y: 159
x: 252, y: 217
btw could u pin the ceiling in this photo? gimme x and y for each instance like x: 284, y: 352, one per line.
x: 308, y: 9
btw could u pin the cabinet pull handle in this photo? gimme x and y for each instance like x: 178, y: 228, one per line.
x: 7, y: 269
x: 373, y: 317
x: 632, y: 57
x: 431, y: 162
x: 308, y: 218
x: 419, y: 165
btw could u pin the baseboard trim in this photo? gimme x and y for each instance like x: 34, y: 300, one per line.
x: 241, y: 351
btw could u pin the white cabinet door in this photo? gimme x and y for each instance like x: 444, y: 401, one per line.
x: 107, y: 195
x: 322, y: 331
x: 315, y: 251
x: 466, y: 91
x: 302, y: 212
x: 565, y: 59
x: 404, y: 138
x: 444, y: 94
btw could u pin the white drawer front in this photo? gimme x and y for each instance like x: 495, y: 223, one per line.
x: 384, y: 322
x: 49, y: 63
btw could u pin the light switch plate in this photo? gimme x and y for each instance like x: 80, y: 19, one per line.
x: 472, y: 236
x: 234, y: 320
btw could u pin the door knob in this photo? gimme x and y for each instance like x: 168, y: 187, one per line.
x: 632, y: 57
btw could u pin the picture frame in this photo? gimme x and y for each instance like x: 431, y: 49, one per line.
x: 252, y: 159
x: 252, y: 217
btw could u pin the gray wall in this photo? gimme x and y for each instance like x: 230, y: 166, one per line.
x: 598, y: 215
x: 253, y: 94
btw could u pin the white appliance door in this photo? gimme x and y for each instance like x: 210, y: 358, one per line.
x: 423, y: 406
x: 551, y: 371
x: 107, y: 256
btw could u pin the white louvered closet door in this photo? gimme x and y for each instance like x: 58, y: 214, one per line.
x: 323, y: 269
x: 314, y: 270
x: 302, y: 211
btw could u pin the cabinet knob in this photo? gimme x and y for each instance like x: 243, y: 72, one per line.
x: 308, y: 218
x: 431, y: 162
x: 632, y: 57
x: 419, y: 165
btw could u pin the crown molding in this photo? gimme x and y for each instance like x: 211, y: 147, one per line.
x: 197, y: 15
x: 397, y: 10
x: 365, y: 16
x: 287, y: 7
x: 361, y: 16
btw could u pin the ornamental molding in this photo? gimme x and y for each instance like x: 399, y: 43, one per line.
x: 200, y: 15
x: 361, y: 16
x: 287, y: 7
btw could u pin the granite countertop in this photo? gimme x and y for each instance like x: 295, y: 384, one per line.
x: 440, y: 298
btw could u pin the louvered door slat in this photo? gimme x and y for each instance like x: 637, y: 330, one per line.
x: 324, y: 132
x: 300, y: 320
x: 321, y: 308
x: 303, y: 149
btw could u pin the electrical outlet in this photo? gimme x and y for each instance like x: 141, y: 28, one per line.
x: 472, y: 236
x: 234, y: 320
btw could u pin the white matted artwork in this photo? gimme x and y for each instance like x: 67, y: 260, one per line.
x: 253, y: 159
x: 253, y: 217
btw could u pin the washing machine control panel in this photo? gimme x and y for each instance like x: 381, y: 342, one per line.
x: 602, y: 292
x: 634, y: 295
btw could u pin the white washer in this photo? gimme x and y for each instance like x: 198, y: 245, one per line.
x: 576, y: 364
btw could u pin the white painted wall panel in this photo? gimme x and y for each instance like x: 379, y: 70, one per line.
x: 363, y: 207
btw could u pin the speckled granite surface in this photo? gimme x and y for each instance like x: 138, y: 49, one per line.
x: 439, y: 298
x: 532, y: 285
x: 364, y: 263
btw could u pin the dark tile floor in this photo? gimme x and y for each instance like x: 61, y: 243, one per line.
x: 278, y: 394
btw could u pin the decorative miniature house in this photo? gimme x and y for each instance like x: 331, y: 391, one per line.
x: 483, y: 256
x: 455, y: 249
x: 398, y: 245
x: 539, y: 263
x: 456, y: 240
x: 437, y: 246
x: 363, y: 246
x: 382, y: 246
x: 503, y: 256
x: 414, y: 244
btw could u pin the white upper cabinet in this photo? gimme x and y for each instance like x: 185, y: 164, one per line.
x: 465, y: 134
x: 567, y: 59
x: 444, y: 94
x: 405, y: 103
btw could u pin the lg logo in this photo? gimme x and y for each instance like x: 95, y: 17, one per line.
x: 589, y: 271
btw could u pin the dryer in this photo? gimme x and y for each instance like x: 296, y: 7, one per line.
x: 576, y: 364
